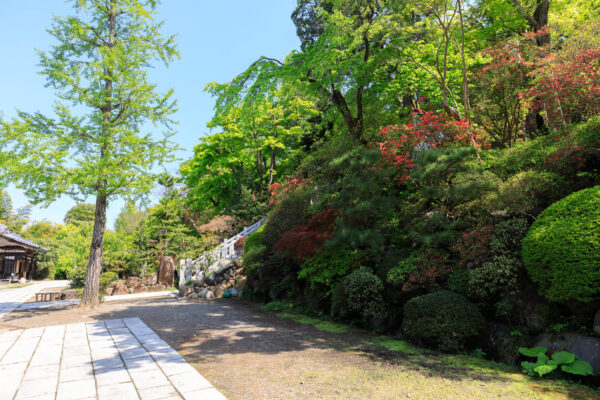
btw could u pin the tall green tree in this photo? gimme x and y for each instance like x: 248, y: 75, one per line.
x: 94, y: 145
x: 259, y: 142
x: 80, y: 212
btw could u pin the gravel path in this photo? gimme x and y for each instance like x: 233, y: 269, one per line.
x: 248, y: 353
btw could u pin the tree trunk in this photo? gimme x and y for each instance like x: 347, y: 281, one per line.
x: 540, y: 16
x: 94, y: 268
x: 273, y: 156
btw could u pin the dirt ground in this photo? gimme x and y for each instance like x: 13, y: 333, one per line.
x: 249, y: 353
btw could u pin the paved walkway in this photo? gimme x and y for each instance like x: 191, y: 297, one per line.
x: 114, y: 359
x: 135, y: 296
x: 13, y: 298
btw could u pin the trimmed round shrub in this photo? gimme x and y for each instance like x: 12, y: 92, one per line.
x: 360, y: 293
x: 561, y: 251
x: 444, y: 320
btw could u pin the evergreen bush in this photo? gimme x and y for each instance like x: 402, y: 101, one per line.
x: 254, y: 250
x: 561, y: 251
x: 360, y: 293
x: 443, y: 320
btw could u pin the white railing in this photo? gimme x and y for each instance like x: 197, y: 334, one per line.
x: 191, y: 269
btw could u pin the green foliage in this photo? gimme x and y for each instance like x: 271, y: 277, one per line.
x: 443, y: 320
x: 93, y: 145
x: 99, y: 151
x: 532, y: 352
x: 578, y: 367
x: 279, y: 306
x: 105, y: 280
x: 77, y: 276
x: 14, y: 219
x: 360, y: 293
x: 499, y: 275
x: 458, y: 281
x: 567, y: 361
x: 561, y: 252
x: 168, y: 229
x: 328, y: 266
x: 254, y: 250
x: 289, y: 212
x: 81, y: 212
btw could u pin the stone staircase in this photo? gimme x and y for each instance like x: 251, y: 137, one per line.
x: 216, y: 260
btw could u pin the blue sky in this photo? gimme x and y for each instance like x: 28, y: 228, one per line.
x: 216, y: 39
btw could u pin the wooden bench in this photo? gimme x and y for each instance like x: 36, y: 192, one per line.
x: 48, y: 296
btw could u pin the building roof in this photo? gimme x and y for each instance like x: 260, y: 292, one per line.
x: 10, y: 239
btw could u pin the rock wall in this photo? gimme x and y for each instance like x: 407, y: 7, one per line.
x: 228, y: 277
x: 133, y: 284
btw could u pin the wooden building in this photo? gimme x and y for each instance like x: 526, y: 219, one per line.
x: 17, y: 255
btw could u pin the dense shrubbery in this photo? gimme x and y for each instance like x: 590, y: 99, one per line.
x: 443, y: 320
x: 254, y: 249
x: 359, y: 294
x: 562, y: 249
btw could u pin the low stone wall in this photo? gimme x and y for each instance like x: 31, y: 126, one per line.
x: 135, y: 284
x: 228, y: 278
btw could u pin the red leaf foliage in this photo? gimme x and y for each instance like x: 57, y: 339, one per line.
x: 303, y: 241
x: 398, y: 143
x: 567, y: 86
x: 474, y: 246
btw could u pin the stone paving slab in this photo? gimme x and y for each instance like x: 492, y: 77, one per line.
x: 13, y: 298
x: 60, y: 303
x: 114, y: 359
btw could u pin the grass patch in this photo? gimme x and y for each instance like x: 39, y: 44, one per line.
x: 325, y: 326
x: 396, y: 345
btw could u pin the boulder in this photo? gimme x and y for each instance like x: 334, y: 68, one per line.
x: 241, y: 283
x: 234, y: 292
x: 220, y: 267
x: 239, y: 245
x: 220, y: 290
x: 120, y: 288
x: 166, y: 274
x: 157, y: 288
x: 500, y: 344
x: 193, y: 296
x: 206, y: 294
x: 151, y: 279
x: 585, y: 347
x: 133, y: 281
x: 140, y: 288
x: 199, y: 282
x: 210, y: 279
x: 186, y: 290
x: 69, y: 294
x: 130, y: 290
x: 109, y: 291
x: 597, y: 323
